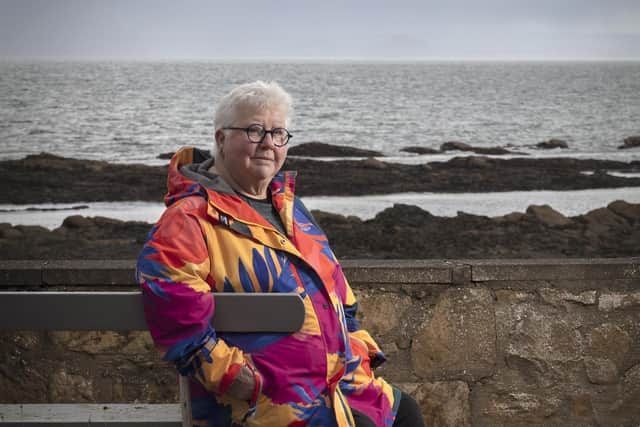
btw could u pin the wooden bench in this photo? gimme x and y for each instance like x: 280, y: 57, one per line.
x: 123, y: 311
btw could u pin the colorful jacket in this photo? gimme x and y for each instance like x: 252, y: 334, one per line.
x: 209, y: 240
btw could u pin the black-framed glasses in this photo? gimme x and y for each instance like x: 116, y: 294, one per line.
x: 256, y: 134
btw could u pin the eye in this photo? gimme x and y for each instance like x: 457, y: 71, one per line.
x: 255, y: 131
x: 279, y: 133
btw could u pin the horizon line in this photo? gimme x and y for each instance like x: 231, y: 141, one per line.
x: 315, y: 59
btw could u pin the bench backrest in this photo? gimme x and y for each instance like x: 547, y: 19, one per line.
x: 123, y: 311
x: 119, y: 311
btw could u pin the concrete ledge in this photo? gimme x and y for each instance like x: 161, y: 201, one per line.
x: 107, y: 273
x: 398, y: 271
x: 554, y: 269
x: 21, y: 273
x: 89, y: 272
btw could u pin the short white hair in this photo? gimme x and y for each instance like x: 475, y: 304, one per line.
x: 256, y: 96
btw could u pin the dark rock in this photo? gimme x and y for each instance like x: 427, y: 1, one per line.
x: 373, y: 163
x: 333, y: 218
x: 547, y: 215
x: 602, y: 219
x: 511, y: 217
x: 320, y: 149
x: 166, y: 156
x: 488, y: 151
x: 492, y: 151
x: 552, y: 143
x: 7, y: 231
x: 77, y: 221
x: 30, y: 180
x: 45, y: 178
x: 630, y: 142
x: 629, y: 211
x: 455, y: 145
x: 32, y: 231
x: 478, y: 162
x: 420, y: 150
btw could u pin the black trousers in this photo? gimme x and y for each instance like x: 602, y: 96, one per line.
x: 408, y: 415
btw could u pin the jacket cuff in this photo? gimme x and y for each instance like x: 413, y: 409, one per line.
x: 253, y: 403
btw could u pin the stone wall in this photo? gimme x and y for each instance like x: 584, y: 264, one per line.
x: 478, y: 343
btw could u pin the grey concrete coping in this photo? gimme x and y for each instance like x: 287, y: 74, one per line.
x: 104, y: 273
x: 89, y: 272
x: 398, y: 271
x: 555, y: 269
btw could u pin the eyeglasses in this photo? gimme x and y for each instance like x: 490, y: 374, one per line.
x: 256, y: 134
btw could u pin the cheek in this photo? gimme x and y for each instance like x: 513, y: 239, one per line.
x: 281, y: 156
x: 243, y: 152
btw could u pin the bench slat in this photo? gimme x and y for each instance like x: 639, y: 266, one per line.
x: 121, y: 415
x: 123, y: 311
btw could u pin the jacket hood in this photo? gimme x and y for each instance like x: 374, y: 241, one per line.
x: 189, y: 175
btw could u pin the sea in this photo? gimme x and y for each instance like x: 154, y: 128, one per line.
x: 130, y: 112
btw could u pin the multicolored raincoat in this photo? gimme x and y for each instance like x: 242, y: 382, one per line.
x: 209, y: 240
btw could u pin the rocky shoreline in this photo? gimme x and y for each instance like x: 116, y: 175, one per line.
x: 398, y: 232
x: 46, y: 178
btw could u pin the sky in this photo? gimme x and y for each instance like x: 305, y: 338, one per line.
x: 320, y: 29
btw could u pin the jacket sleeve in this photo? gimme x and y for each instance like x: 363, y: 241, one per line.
x: 362, y: 343
x: 173, y: 272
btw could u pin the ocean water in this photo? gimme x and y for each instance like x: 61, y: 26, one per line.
x: 131, y: 112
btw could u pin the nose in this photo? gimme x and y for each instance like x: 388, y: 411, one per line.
x: 268, y: 137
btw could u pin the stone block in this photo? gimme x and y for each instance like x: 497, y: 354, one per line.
x: 623, y: 406
x: 138, y: 343
x: 559, y: 297
x: 515, y: 408
x: 92, y: 342
x: 27, y: 340
x: 610, y: 301
x: 67, y: 387
x: 442, y: 403
x: 601, y: 371
x: 541, y: 345
x: 533, y: 333
x: 609, y: 342
x: 382, y: 314
x: 459, y: 340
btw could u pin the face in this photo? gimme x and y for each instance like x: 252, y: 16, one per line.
x: 250, y: 164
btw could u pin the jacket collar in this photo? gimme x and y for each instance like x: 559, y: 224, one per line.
x: 189, y: 175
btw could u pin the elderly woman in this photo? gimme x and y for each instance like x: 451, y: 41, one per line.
x: 236, y: 226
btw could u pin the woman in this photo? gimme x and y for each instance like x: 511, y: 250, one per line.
x: 236, y: 226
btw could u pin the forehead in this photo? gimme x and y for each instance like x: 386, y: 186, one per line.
x: 249, y: 113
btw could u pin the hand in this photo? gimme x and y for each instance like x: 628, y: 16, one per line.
x: 244, y: 385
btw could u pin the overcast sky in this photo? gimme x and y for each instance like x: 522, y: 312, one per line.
x: 319, y: 29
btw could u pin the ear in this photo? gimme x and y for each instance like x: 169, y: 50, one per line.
x: 220, y: 137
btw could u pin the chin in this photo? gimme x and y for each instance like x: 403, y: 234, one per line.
x: 264, y: 173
